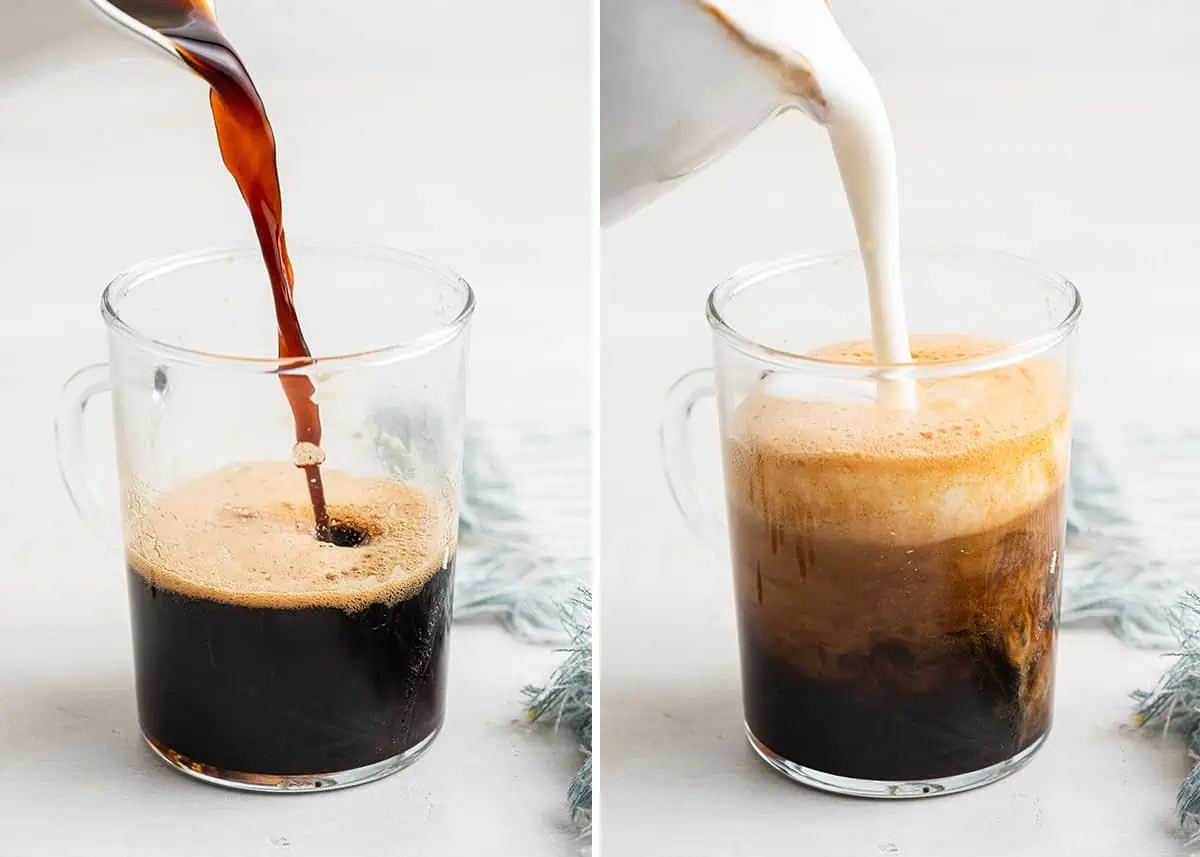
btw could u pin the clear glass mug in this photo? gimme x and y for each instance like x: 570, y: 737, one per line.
x: 897, y: 572
x: 265, y: 659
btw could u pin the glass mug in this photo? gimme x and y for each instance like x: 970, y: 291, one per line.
x: 896, y: 572
x: 264, y: 659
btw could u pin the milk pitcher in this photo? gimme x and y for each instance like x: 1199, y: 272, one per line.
x: 684, y: 81
x: 47, y: 38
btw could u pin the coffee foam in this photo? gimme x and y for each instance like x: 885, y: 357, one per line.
x: 979, y: 450
x: 244, y: 535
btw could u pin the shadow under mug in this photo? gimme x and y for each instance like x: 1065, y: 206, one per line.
x: 265, y: 660
x: 897, y: 572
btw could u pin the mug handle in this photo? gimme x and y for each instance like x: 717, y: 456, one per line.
x: 676, y: 438
x: 73, y: 460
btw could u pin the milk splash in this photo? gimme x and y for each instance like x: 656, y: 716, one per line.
x: 802, y: 36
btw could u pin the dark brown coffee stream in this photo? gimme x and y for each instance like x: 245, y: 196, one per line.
x: 247, y: 146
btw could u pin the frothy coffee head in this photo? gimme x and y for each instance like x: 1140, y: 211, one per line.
x: 979, y: 450
x: 244, y: 535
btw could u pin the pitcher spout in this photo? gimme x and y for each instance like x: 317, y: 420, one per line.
x: 681, y: 83
x: 141, y: 23
x: 51, y: 38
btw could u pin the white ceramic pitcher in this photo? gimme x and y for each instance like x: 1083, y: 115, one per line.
x: 41, y: 38
x: 681, y: 83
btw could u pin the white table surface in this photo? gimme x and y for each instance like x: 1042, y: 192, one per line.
x: 114, y: 165
x: 1096, y: 179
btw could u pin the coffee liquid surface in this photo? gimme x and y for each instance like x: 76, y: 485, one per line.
x: 243, y: 535
x: 260, y: 650
x: 897, y: 572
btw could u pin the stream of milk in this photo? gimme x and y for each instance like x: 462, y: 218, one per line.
x: 804, y: 35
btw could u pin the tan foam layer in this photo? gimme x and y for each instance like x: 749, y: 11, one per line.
x: 979, y: 451
x: 244, y: 535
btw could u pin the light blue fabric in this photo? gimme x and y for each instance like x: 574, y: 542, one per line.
x: 1173, y: 705
x: 1133, y: 562
x: 526, y: 528
x: 566, y: 701
x: 1133, y: 530
x: 525, y: 554
x: 526, y: 534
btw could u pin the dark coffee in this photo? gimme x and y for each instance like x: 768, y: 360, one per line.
x: 940, y: 689
x: 261, y: 651
x: 898, y: 572
x: 288, y: 692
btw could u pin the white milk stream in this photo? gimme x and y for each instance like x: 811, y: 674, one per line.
x: 803, y: 35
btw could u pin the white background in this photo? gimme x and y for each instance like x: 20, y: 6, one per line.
x: 1065, y: 131
x: 437, y: 133
x: 517, y: 40
x: 536, y: 38
x: 948, y: 37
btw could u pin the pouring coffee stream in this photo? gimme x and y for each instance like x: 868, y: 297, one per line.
x: 247, y: 146
x: 51, y: 35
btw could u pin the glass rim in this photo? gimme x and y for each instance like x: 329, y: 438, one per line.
x: 1017, y: 352
x: 147, y: 271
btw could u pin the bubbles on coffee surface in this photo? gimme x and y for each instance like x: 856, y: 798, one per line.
x: 305, y: 454
x: 243, y: 535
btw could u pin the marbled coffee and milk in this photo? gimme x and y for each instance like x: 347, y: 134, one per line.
x: 896, y: 572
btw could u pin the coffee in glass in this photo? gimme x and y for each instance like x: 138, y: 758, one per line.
x: 267, y: 657
x: 896, y: 574
x: 259, y: 648
x: 896, y: 567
